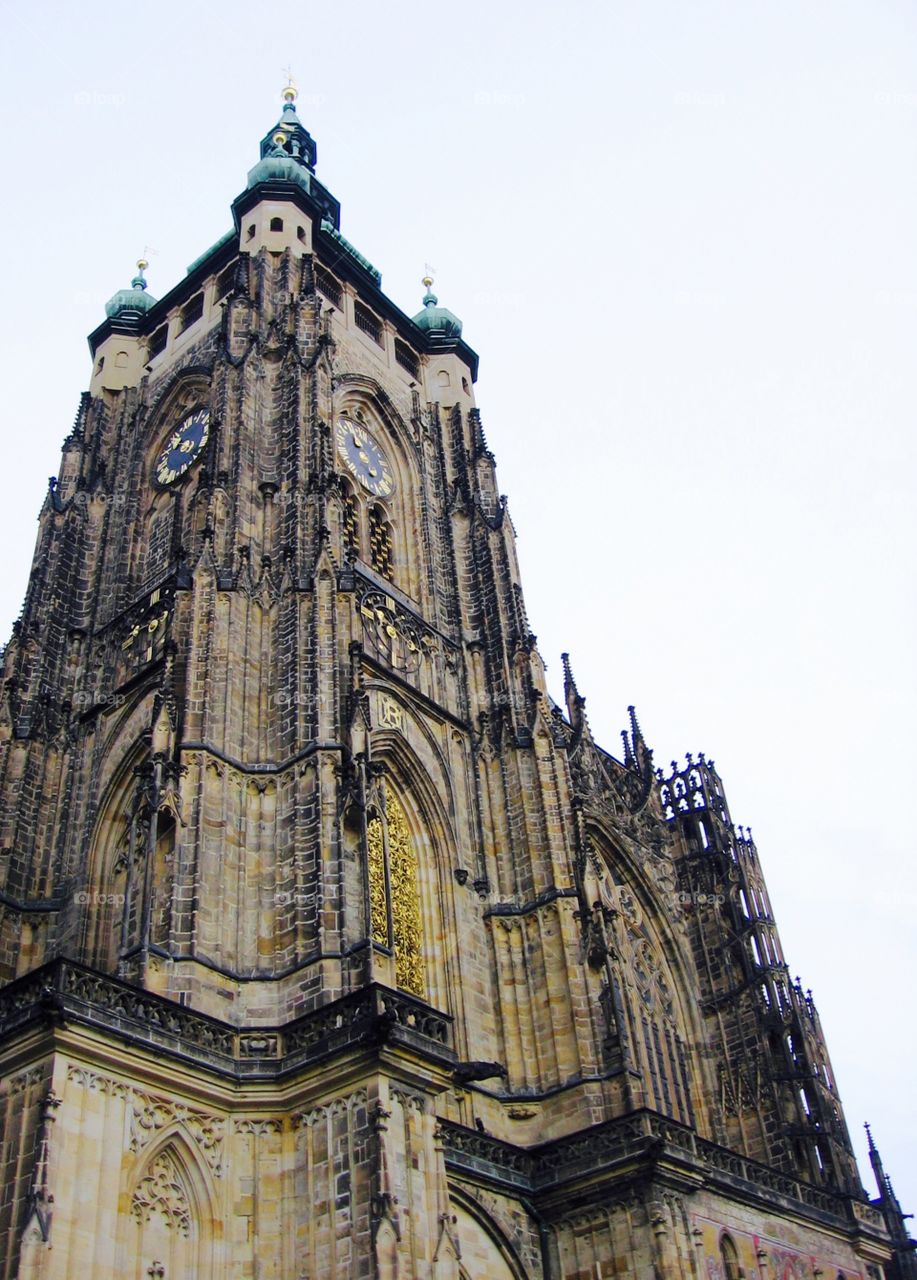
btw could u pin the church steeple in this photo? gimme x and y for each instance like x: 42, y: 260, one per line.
x: 905, y: 1260
x: 284, y: 173
x: 289, y: 135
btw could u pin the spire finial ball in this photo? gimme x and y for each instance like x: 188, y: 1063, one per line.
x: 290, y: 92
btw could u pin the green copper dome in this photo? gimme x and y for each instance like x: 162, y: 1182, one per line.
x: 279, y: 167
x: 134, y: 299
x: 437, y: 319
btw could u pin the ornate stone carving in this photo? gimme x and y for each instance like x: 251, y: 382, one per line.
x: 304, y: 1119
x: 391, y: 715
x: 25, y: 1080
x: 253, y: 1044
x: 162, y: 1192
x: 258, y: 1125
x: 86, y: 1079
x: 149, y: 1114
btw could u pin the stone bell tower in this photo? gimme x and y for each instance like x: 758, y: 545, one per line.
x: 331, y: 945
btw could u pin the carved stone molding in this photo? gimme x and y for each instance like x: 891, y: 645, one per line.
x: 95, y: 1083
x: 370, y: 1016
x: 305, y: 1119
x: 150, y: 1114
x: 25, y: 1080
x: 258, y: 1126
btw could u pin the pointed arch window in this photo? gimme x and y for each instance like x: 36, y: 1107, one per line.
x: 350, y: 521
x: 171, y: 1221
x: 730, y: 1258
x: 380, y: 543
x: 131, y: 872
x: 394, y: 898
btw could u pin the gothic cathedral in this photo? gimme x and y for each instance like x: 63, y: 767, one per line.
x: 332, y: 947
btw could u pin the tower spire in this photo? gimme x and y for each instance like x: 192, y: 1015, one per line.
x: 289, y: 137
x: 574, y: 699
x: 905, y: 1261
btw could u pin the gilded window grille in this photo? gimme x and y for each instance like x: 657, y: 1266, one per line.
x: 378, y: 897
x: 380, y: 543
x: 393, y: 882
x: 350, y: 528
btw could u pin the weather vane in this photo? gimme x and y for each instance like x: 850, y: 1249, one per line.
x: 290, y: 92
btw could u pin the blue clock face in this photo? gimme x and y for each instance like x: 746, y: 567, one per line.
x: 363, y: 458
x: 183, y: 447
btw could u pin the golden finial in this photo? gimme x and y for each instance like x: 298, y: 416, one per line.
x: 139, y: 282
x: 280, y: 138
x: 290, y: 92
x: 427, y: 281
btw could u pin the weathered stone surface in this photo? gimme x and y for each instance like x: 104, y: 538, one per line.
x: 274, y: 738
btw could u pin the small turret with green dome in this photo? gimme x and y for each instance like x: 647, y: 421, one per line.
x: 134, y: 302
x: 435, y: 319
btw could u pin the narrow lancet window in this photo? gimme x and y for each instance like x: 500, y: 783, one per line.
x: 394, y: 898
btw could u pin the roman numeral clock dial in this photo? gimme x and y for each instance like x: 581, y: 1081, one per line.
x: 184, y: 447
x: 363, y: 458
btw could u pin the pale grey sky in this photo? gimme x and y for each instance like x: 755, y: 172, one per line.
x: 682, y: 238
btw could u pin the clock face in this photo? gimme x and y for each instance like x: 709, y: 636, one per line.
x: 363, y: 458
x: 183, y: 447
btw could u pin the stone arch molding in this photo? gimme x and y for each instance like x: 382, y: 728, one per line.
x: 107, y: 864
x: 424, y: 791
x: 189, y: 387
x: 400, y: 512
x: 472, y: 1243
x: 172, y: 1212
x: 358, y: 390
x: 653, y: 981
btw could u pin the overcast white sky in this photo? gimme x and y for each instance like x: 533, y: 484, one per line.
x: 681, y: 235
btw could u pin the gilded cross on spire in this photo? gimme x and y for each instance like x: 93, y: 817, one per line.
x: 290, y: 92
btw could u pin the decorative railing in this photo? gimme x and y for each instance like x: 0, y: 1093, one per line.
x: 372, y: 1012
x: 548, y: 1167
x: 82, y: 990
x: 66, y: 990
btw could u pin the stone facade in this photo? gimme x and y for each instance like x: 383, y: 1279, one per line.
x: 332, y: 946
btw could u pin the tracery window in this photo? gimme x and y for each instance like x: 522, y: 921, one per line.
x: 647, y: 992
x: 663, y: 1047
x: 394, y: 898
x: 128, y: 896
